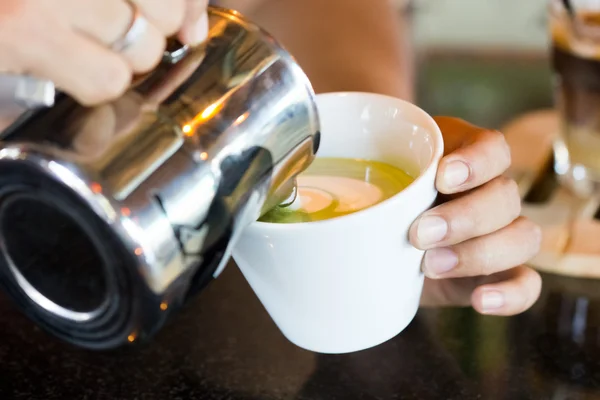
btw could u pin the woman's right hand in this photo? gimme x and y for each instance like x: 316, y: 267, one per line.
x: 70, y: 42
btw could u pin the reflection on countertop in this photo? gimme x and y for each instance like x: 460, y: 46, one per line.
x: 224, y: 346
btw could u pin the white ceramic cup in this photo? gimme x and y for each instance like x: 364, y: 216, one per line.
x: 352, y: 282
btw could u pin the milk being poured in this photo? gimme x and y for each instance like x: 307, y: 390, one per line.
x: 333, y: 187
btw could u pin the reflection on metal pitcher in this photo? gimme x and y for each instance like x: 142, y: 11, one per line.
x: 157, y: 183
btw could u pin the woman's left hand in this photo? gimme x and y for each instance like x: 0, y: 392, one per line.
x: 476, y: 241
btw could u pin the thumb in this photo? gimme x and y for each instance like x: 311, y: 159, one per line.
x: 195, y: 25
x: 456, y: 132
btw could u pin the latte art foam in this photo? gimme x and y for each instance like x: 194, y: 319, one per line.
x: 333, y: 187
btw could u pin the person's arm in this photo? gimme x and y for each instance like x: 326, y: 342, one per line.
x: 342, y: 45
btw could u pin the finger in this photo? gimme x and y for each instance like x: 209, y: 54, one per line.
x: 92, y: 74
x: 506, y: 293
x: 147, y: 50
x: 457, y: 132
x: 166, y: 16
x: 195, y: 24
x: 95, y: 130
x: 108, y: 21
x: 485, y: 255
x: 480, y: 157
x: 100, y: 125
x: 104, y: 21
x: 516, y: 292
x: 480, y: 212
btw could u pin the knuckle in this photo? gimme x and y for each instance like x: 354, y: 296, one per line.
x: 507, y: 155
x: 86, y: 98
x: 484, y: 259
x: 508, y: 189
x: 507, y: 151
x: 532, y: 287
x: 152, y: 55
x: 85, y: 91
x: 534, y: 234
x: 537, y: 239
x: 502, y: 149
x: 513, y: 196
x: 536, y: 283
x: 172, y: 21
x: 196, y: 7
x: 463, y: 217
x: 120, y: 79
x: 112, y: 82
x: 494, y: 136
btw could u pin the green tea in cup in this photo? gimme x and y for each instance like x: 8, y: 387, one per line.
x: 350, y: 280
x: 333, y: 187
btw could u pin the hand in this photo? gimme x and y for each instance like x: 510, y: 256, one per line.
x: 476, y: 241
x: 95, y: 128
x: 69, y: 42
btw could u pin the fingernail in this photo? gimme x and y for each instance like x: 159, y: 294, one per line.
x: 439, y: 261
x: 455, y: 174
x: 431, y: 229
x: 491, y: 301
x: 199, y: 31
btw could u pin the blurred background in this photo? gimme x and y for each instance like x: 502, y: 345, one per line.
x: 482, y: 60
x: 487, y: 61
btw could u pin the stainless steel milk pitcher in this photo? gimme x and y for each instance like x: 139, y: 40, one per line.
x: 112, y: 216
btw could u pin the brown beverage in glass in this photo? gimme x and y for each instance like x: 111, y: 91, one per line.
x: 576, y: 63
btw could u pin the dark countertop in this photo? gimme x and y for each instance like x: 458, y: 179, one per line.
x: 224, y: 346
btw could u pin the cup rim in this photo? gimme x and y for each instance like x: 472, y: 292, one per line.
x: 431, y: 168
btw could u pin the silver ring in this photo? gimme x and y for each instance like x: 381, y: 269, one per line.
x: 136, y: 29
